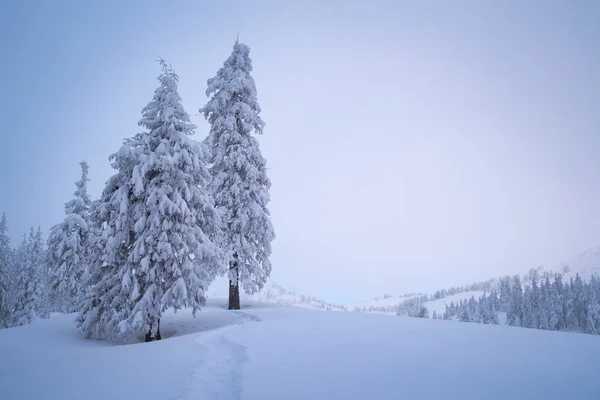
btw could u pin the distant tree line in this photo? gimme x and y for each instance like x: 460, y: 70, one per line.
x: 485, y: 286
x: 546, y: 302
x: 24, y: 290
x: 483, y: 310
x: 318, y: 302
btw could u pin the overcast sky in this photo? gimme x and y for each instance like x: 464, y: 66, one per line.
x: 411, y: 146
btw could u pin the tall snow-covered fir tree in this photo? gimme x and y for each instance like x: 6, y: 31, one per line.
x: 239, y: 184
x: 68, y: 243
x: 31, y: 295
x: 5, y: 271
x: 157, y: 218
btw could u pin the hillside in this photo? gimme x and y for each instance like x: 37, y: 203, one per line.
x: 278, y: 352
x: 381, y: 305
x: 439, y: 305
x: 586, y: 265
x: 275, y: 294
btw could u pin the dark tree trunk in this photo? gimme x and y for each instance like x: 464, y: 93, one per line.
x: 234, y: 289
x: 149, y: 337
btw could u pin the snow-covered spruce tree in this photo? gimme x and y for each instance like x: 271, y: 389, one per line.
x: 239, y: 184
x: 464, y: 314
x: 592, y: 312
x: 505, y: 293
x: 556, y: 306
x: 67, y: 246
x: 30, y: 301
x: 5, y: 271
x: 493, y: 312
x: 514, y: 314
x: 535, y: 300
x: 579, y: 301
x: 545, y: 304
x: 569, y: 307
x: 157, y: 218
x: 474, y: 312
x: 528, y: 309
x: 23, y: 309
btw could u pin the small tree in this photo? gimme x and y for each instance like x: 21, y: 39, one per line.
x: 68, y: 243
x: 240, y: 185
x: 464, y: 314
x: 505, y: 293
x: 534, y: 306
x: 558, y: 300
x: 579, y: 302
x: 515, y: 308
x: 545, y: 304
x: 528, y: 309
x: 570, y: 317
x: 157, y: 218
x: 592, y: 320
x: 31, y: 293
x: 474, y: 312
x: 5, y: 270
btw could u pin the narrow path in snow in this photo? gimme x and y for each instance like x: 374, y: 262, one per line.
x: 219, y: 375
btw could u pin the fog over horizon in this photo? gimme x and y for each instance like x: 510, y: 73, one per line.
x: 411, y: 147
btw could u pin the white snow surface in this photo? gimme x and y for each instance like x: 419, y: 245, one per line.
x: 276, y: 352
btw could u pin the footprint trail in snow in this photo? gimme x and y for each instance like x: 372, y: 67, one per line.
x: 219, y: 375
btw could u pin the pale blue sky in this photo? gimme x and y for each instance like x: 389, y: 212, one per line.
x: 411, y: 145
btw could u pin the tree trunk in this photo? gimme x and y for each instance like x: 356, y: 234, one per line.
x: 234, y: 289
x: 149, y: 337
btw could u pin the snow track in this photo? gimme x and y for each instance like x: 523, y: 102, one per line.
x: 219, y: 375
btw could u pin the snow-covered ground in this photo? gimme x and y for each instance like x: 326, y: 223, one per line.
x: 268, y: 352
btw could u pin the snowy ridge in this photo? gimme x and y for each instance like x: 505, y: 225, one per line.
x: 382, y: 305
x: 275, y: 294
x: 586, y: 265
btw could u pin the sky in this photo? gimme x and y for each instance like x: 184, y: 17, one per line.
x: 411, y: 145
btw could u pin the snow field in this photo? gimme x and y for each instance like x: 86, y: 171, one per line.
x: 274, y: 352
